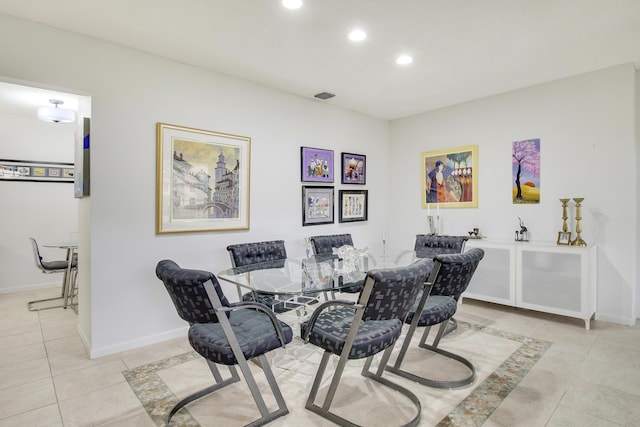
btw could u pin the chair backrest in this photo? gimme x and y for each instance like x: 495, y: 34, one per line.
x: 244, y: 254
x: 323, y: 245
x: 394, y: 290
x: 36, y: 255
x: 186, y: 289
x: 452, y: 273
x: 429, y: 245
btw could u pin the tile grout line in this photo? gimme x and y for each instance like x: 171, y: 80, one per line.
x: 488, y: 395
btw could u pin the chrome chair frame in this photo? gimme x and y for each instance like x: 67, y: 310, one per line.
x: 430, y: 245
x: 220, y: 313
x: 70, y: 270
x: 432, y: 282
x: 360, y: 309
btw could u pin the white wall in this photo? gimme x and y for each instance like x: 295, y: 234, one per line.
x: 43, y: 210
x: 130, y: 93
x: 586, y: 125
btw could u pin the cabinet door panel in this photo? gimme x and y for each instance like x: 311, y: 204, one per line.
x: 551, y: 279
x: 493, y: 279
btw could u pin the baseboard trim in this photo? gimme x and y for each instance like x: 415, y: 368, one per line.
x: 95, y: 353
x: 26, y: 288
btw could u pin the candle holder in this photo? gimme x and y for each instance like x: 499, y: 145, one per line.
x: 578, y: 240
x: 565, y: 227
x: 433, y: 227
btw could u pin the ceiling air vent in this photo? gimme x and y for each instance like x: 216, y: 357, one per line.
x: 324, y: 95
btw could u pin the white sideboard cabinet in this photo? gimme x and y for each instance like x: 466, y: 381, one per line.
x: 544, y: 277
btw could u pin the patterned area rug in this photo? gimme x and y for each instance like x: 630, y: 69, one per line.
x: 475, y: 409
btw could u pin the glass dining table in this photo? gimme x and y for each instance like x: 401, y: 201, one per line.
x: 300, y: 282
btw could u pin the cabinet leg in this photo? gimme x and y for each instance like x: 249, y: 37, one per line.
x: 587, y: 324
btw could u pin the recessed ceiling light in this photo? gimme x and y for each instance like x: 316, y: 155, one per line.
x: 404, y: 60
x: 292, y: 4
x: 357, y: 35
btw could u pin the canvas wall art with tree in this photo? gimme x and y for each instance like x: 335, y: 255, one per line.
x: 525, y: 161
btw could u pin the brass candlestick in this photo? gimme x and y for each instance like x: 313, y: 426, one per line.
x: 565, y: 227
x: 578, y: 240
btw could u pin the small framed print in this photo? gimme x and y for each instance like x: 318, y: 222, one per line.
x: 564, y: 237
x: 28, y: 170
x: 353, y: 205
x: 354, y: 168
x: 316, y: 165
x: 317, y: 205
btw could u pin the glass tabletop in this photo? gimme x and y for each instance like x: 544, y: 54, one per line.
x: 311, y: 275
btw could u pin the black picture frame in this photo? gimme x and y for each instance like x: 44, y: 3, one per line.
x: 354, y: 168
x: 317, y: 205
x: 354, y: 205
x: 36, y: 171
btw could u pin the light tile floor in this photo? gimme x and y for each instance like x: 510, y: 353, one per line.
x: 574, y: 377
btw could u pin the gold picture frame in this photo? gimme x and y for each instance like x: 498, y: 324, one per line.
x: 450, y: 178
x: 564, y: 237
x: 202, y: 180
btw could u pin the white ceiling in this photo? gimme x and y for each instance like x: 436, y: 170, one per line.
x: 463, y: 49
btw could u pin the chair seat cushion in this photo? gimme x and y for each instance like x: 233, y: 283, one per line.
x: 253, y: 329
x: 437, y: 309
x: 332, y: 327
x: 60, y: 264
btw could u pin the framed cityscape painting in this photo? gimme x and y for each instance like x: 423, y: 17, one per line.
x: 202, y: 180
x: 316, y: 165
x: 450, y: 178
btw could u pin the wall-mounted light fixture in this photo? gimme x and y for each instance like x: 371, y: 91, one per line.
x: 56, y: 114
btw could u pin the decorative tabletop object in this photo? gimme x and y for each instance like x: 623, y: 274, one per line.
x: 564, y: 236
x: 578, y: 240
x: 522, y: 235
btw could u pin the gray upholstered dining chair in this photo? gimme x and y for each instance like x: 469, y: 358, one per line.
x: 247, y: 254
x: 360, y: 330
x: 50, y: 267
x: 226, y: 334
x: 448, y: 279
x: 322, y: 247
x: 430, y: 245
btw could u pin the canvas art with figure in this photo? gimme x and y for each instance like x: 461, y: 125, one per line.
x: 449, y: 177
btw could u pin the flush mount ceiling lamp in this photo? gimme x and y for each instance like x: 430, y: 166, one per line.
x: 404, y: 59
x: 56, y: 114
x: 292, y: 4
x: 357, y: 35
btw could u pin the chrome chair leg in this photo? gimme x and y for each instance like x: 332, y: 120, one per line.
x: 220, y: 383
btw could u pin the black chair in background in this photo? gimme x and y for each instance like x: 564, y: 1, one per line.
x: 361, y: 330
x: 225, y: 334
x: 247, y: 254
x: 322, y: 247
x: 449, y: 278
x: 50, y: 267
